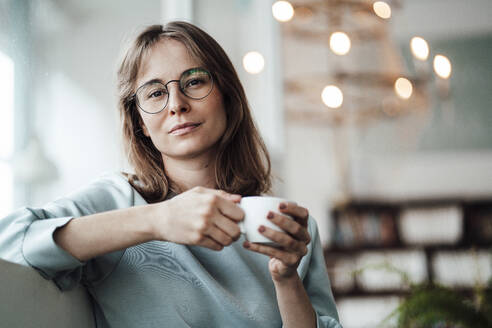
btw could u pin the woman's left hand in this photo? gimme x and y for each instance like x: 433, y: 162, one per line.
x: 285, y: 259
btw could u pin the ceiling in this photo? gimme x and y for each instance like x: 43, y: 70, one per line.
x: 442, y: 19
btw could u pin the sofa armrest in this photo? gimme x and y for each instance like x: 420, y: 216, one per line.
x: 28, y: 300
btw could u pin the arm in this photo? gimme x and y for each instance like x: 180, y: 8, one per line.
x: 294, y: 304
x: 93, y: 235
x: 100, y: 218
x: 200, y: 216
x: 298, y: 270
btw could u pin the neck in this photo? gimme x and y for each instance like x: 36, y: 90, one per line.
x: 184, y: 174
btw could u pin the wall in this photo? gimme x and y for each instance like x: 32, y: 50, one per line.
x: 75, y: 110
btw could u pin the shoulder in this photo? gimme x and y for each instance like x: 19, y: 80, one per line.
x: 109, y: 191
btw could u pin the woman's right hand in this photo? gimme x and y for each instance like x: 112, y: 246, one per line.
x: 200, y: 216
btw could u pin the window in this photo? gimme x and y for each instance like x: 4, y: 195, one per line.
x: 6, y: 134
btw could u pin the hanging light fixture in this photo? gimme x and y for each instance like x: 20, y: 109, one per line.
x: 403, y: 88
x: 332, y: 96
x: 382, y: 9
x: 282, y: 11
x: 442, y: 66
x: 340, y: 43
x: 253, y: 62
x: 420, y: 48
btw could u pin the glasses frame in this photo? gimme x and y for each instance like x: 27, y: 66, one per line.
x: 135, y: 98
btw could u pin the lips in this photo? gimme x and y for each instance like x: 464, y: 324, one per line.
x: 184, y: 125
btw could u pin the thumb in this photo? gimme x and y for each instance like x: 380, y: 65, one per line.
x: 236, y: 198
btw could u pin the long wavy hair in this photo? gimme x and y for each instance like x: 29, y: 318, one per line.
x: 242, y: 164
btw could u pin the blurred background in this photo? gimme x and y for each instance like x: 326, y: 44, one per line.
x: 377, y: 115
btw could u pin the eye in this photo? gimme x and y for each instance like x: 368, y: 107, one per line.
x: 193, y: 83
x: 157, y: 93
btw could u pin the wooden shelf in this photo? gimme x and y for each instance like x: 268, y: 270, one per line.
x: 359, y: 216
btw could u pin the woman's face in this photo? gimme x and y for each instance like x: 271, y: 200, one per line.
x: 166, y: 61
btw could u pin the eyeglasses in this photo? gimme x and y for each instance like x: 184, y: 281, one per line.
x: 153, y: 96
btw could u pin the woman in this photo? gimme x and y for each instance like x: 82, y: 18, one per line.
x: 161, y: 247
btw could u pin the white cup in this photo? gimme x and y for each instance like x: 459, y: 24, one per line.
x: 256, y: 209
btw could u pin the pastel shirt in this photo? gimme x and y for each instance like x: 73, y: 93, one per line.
x: 157, y: 283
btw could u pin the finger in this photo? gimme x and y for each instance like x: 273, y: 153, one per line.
x: 300, y: 213
x: 229, y: 209
x: 210, y: 243
x: 289, y: 259
x: 219, y: 236
x: 228, y: 226
x: 284, y: 240
x: 292, y: 227
x: 232, y: 197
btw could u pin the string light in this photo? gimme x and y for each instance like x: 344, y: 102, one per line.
x: 442, y: 66
x: 340, y: 43
x: 382, y: 9
x: 420, y: 48
x: 332, y: 96
x: 282, y: 11
x: 253, y: 62
x: 403, y: 88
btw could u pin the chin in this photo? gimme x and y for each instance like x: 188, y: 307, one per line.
x: 188, y: 151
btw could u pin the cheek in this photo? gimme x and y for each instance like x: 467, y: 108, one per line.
x: 220, y: 120
x: 150, y: 124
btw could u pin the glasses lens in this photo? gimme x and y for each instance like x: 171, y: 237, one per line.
x: 196, y: 83
x: 152, y: 97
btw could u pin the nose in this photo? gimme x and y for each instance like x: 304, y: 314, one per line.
x: 177, y: 101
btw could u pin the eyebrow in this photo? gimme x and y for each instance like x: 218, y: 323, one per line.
x: 150, y: 82
x: 189, y: 71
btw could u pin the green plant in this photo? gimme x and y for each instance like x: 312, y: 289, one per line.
x: 429, y: 305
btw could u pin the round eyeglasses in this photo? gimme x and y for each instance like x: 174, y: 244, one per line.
x: 153, y: 96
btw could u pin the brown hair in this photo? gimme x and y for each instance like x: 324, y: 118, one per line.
x: 242, y: 164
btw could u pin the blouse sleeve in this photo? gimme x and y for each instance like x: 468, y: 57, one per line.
x: 26, y: 235
x: 316, y: 282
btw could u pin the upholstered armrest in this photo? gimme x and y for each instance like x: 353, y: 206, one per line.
x: 28, y: 300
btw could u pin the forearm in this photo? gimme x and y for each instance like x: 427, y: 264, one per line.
x: 294, y: 304
x: 90, y: 236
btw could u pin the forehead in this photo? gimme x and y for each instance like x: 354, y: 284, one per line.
x: 165, y: 60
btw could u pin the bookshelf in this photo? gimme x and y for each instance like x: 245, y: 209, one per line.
x: 423, y: 231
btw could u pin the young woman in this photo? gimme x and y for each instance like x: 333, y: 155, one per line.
x: 161, y: 247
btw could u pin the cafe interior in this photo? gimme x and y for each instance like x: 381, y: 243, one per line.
x: 377, y: 116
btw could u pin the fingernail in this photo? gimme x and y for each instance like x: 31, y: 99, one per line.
x: 282, y: 206
x: 246, y: 244
x: 261, y: 229
x: 270, y: 215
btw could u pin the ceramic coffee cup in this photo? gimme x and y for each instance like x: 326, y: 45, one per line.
x: 256, y: 209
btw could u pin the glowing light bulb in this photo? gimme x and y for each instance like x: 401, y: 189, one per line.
x: 340, y: 43
x: 253, y: 62
x: 382, y: 9
x: 282, y: 11
x: 420, y: 48
x: 332, y: 96
x: 442, y: 66
x: 403, y: 88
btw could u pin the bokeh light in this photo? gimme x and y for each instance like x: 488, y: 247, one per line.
x: 282, y: 11
x: 420, y: 48
x: 332, y: 96
x: 253, y: 62
x: 340, y: 43
x: 403, y: 88
x: 382, y: 9
x: 442, y: 66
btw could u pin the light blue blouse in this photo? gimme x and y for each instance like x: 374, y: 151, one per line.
x: 159, y: 284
